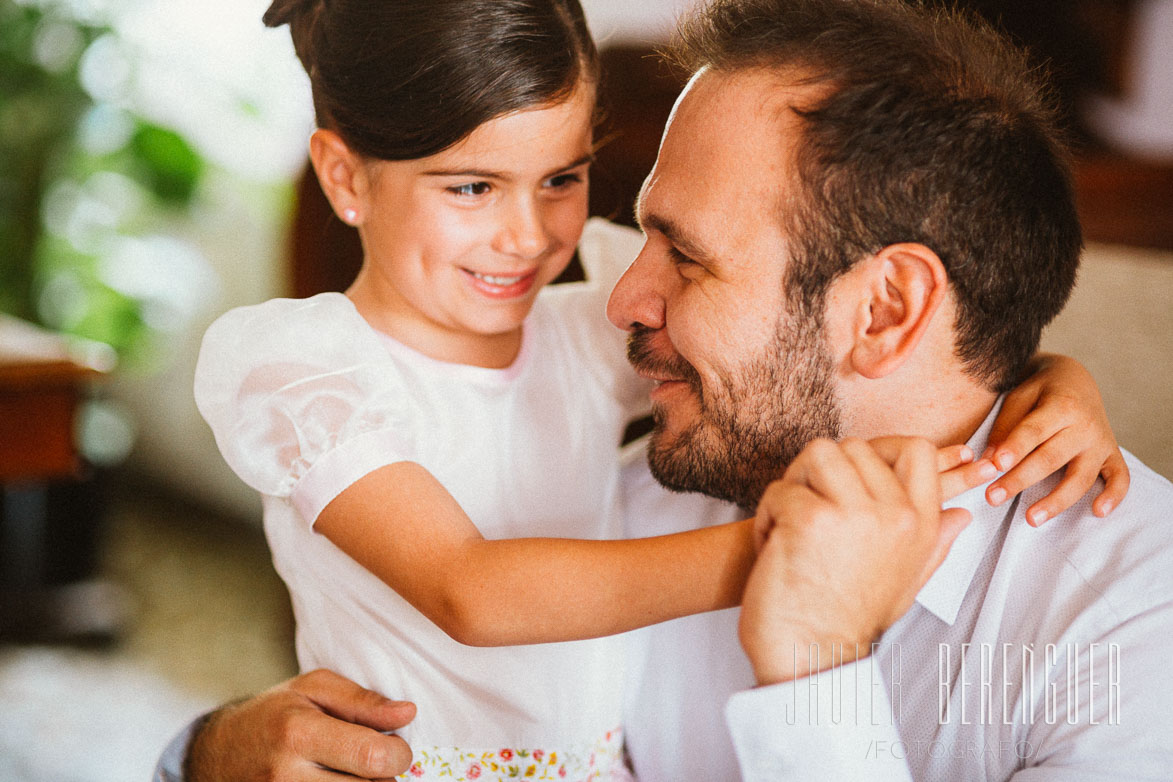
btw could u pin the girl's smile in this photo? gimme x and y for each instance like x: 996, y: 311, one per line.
x: 498, y: 286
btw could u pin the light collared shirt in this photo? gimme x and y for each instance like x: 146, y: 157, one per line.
x: 1031, y: 654
x: 916, y: 707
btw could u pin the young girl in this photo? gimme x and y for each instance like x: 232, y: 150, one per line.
x: 437, y: 448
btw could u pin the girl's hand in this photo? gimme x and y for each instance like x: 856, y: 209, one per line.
x: 1056, y: 419
x: 956, y: 467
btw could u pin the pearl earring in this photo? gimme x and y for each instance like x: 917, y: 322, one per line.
x: 350, y: 216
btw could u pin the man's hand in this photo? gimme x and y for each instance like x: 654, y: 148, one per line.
x: 309, y: 729
x: 855, y: 530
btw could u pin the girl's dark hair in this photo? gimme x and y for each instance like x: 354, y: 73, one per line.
x: 404, y: 79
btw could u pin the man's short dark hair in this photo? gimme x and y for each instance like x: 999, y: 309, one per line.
x: 932, y: 129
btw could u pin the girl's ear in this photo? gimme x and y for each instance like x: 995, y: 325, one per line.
x: 342, y: 175
x: 903, y: 288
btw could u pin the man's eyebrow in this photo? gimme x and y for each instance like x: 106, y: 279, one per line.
x: 665, y: 226
x: 484, y: 173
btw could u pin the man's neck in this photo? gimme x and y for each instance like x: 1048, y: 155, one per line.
x: 943, y: 415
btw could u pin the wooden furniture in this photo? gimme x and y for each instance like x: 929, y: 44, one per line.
x: 38, y: 401
x: 50, y: 509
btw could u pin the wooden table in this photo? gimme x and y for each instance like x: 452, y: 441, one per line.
x: 38, y: 404
x: 48, y: 521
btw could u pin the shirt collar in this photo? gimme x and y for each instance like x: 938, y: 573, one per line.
x: 947, y: 587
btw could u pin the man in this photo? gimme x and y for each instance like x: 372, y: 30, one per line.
x: 904, y: 229
x: 858, y: 224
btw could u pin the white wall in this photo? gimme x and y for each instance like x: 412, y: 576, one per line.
x: 614, y: 21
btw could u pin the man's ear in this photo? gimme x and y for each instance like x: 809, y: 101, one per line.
x: 342, y: 175
x: 902, y: 288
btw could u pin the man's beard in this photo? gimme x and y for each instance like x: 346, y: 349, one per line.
x: 753, y: 424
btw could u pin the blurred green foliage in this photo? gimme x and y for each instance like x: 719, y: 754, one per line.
x: 39, y: 109
x: 43, y: 108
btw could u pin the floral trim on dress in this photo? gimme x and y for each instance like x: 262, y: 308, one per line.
x: 601, y: 761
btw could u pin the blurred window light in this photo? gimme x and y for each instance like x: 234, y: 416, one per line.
x: 103, y: 432
x: 88, y: 11
x: 57, y: 45
x: 63, y: 302
x: 169, y: 276
x: 105, y: 129
x: 106, y: 70
x: 214, y: 73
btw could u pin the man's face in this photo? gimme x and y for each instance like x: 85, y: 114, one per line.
x: 744, y: 383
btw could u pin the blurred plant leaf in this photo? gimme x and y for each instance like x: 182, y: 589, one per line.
x: 39, y: 110
x: 74, y: 300
x: 168, y: 165
x: 43, y: 104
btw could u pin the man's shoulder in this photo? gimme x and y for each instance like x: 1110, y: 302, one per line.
x: 1125, y: 560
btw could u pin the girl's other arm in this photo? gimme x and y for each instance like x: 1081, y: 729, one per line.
x: 1056, y: 419
x: 401, y: 524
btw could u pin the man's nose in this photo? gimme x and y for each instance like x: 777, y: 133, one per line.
x: 636, y: 299
x: 523, y: 233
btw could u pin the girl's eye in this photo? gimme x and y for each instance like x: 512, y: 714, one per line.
x: 471, y: 189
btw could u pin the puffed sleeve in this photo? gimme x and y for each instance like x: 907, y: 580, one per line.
x: 606, y: 250
x: 302, y: 398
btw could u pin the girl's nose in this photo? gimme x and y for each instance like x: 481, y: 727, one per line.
x: 524, y: 234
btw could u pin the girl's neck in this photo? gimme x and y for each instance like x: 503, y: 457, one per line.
x: 492, y: 351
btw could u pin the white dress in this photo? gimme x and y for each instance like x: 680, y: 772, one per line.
x: 305, y: 398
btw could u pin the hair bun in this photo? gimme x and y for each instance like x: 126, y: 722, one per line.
x: 285, y: 11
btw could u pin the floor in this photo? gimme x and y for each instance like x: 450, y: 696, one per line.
x: 209, y: 621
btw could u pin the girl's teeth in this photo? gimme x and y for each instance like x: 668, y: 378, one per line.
x: 499, y: 281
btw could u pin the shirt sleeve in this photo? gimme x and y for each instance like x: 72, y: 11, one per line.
x: 302, y: 398
x: 169, y: 768
x: 606, y: 250
x: 836, y: 724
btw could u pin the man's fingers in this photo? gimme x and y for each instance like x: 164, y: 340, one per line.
x: 916, y: 468
x: 342, y: 698
x: 360, y: 752
x: 1116, y: 479
x: 345, y: 736
x: 953, y: 521
x: 875, y: 471
x: 827, y: 471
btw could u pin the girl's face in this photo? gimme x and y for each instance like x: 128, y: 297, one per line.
x: 458, y: 244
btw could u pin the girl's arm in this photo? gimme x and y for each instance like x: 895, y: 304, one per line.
x: 401, y: 524
x: 1056, y: 419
